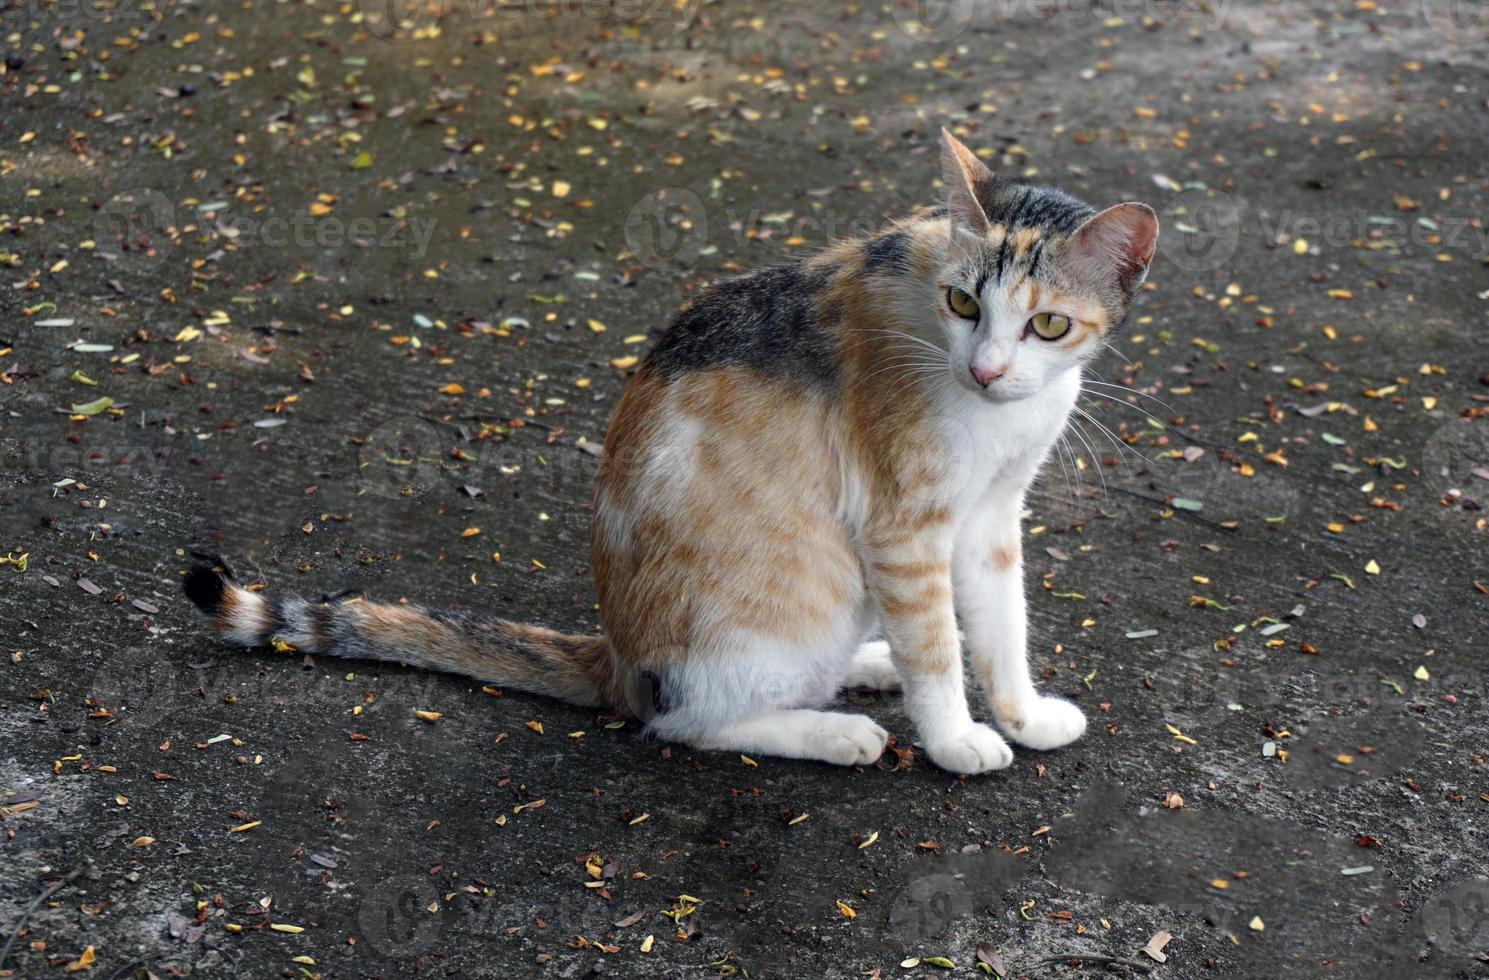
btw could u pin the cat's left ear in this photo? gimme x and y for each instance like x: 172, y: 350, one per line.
x: 967, y: 181
x: 1117, y: 244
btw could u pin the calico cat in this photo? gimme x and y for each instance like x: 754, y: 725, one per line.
x: 811, y: 456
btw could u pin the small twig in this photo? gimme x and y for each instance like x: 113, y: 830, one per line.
x: 1178, y: 510
x: 46, y: 893
x: 123, y: 970
x: 1098, y: 958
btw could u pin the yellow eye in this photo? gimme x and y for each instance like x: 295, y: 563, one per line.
x: 962, y: 303
x: 1050, y: 326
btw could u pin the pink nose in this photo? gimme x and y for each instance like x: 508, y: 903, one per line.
x: 986, y: 376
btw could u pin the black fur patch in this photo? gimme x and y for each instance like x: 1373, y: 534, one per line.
x: 1050, y: 210
x: 204, y: 587
x: 768, y: 321
x: 888, y: 254
x: 1016, y: 206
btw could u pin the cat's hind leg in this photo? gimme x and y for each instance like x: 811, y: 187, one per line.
x: 801, y: 733
x: 761, y: 697
x: 873, y: 669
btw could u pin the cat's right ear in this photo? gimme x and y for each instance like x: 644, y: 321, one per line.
x: 964, y: 176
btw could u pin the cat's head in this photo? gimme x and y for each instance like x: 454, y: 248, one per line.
x: 1032, y: 280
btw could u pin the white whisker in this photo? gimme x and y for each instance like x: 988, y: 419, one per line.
x: 1141, y: 394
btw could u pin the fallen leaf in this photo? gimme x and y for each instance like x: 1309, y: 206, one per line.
x: 1154, y: 949
x: 83, y: 962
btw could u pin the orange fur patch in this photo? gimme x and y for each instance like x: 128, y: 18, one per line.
x: 1023, y: 240
x: 1034, y: 295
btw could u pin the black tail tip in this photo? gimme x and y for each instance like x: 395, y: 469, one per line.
x: 204, y: 586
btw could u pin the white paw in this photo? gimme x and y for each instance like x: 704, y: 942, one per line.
x: 848, y: 740
x: 974, y: 749
x: 1043, y: 723
x: 873, y: 669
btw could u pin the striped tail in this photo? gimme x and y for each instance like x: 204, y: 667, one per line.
x: 572, y: 668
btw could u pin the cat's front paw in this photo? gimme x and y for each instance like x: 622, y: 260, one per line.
x: 848, y: 740
x: 973, y: 749
x: 1042, y: 723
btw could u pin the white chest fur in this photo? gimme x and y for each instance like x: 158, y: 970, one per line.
x: 1000, y: 443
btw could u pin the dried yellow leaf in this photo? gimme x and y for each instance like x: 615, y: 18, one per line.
x: 83, y: 962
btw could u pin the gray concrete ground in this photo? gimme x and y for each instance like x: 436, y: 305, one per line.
x: 362, y: 296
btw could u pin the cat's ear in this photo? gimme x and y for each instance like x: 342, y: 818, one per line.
x: 964, y: 176
x: 1117, y: 244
